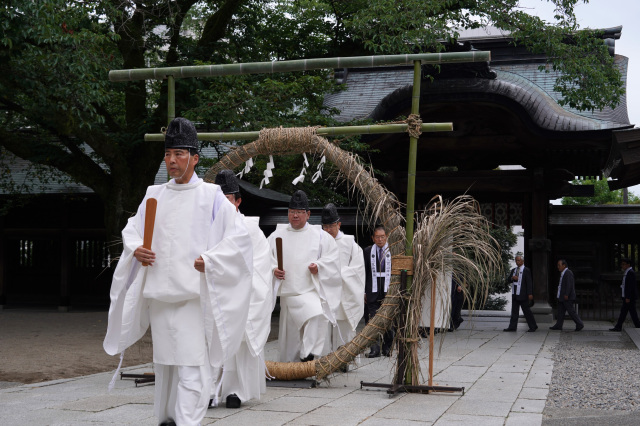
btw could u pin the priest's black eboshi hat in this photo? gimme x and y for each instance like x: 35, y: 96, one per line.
x: 299, y: 201
x: 228, y: 182
x: 329, y: 214
x: 181, y: 133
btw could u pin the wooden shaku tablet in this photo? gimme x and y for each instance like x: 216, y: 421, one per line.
x: 149, y: 222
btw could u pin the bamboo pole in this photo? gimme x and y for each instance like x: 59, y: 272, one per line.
x: 171, y: 98
x: 322, y: 131
x: 411, y: 195
x: 295, y: 65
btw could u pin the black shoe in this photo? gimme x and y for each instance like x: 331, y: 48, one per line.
x: 375, y: 353
x: 458, y: 323
x: 233, y: 401
x: 555, y: 328
x: 579, y: 327
x: 386, y: 352
x: 531, y: 330
x: 308, y: 358
x: 510, y: 329
x: 168, y: 423
x: 615, y: 329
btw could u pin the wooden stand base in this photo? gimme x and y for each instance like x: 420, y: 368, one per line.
x: 401, y: 368
x: 139, y: 378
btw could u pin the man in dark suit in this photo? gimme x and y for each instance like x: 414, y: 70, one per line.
x: 521, y: 295
x: 457, y: 300
x: 629, y: 295
x: 566, y: 297
x: 377, y: 262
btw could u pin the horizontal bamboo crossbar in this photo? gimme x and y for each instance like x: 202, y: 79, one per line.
x: 322, y: 131
x: 295, y: 65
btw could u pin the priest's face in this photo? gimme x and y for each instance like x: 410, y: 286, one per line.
x: 235, y: 201
x: 380, y: 238
x: 298, y: 218
x: 180, y: 163
x: 332, y: 228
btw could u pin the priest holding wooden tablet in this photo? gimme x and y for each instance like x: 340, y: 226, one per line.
x: 195, y: 292
x: 309, y: 283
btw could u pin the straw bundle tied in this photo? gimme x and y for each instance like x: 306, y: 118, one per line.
x: 451, y: 238
x: 379, y: 206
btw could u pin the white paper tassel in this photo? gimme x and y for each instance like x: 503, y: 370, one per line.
x: 300, y: 178
x: 247, y: 168
x: 268, y: 172
x: 318, y: 173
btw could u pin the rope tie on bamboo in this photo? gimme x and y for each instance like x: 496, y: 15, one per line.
x: 414, y: 125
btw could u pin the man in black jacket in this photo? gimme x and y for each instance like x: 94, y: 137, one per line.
x: 377, y: 263
x: 566, y: 297
x: 521, y: 295
x: 629, y: 295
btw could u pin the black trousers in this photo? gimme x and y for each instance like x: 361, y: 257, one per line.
x: 516, y: 305
x: 566, y: 306
x: 457, y: 299
x: 631, y: 309
x: 387, y: 339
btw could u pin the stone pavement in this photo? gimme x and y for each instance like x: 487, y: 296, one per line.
x: 506, y: 377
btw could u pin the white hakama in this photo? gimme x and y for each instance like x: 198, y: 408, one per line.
x: 352, y: 272
x: 244, y: 373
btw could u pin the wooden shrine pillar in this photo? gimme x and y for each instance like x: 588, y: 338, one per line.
x: 539, y: 247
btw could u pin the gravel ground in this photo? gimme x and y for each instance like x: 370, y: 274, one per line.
x: 595, y: 375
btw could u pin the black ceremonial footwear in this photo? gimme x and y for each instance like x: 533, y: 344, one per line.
x: 233, y: 401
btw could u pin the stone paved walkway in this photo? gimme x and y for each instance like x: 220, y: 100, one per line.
x: 506, y: 377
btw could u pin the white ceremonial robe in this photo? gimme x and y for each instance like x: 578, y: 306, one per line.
x: 197, y: 319
x: 307, y: 302
x: 244, y: 373
x: 351, y: 309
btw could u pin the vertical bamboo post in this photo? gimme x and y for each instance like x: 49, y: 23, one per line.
x: 411, y: 170
x: 411, y: 187
x: 171, y: 98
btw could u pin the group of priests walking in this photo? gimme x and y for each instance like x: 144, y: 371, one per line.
x: 206, y: 284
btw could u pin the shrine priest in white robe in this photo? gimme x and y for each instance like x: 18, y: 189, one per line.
x: 309, y: 284
x: 352, y: 272
x: 243, y: 376
x: 195, y: 292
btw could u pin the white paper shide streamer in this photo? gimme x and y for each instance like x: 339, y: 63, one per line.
x: 247, y: 168
x: 303, y: 171
x: 268, y: 172
x: 318, y: 173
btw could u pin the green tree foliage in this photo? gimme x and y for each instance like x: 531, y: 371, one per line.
x: 602, y: 195
x: 505, y: 240
x: 59, y: 111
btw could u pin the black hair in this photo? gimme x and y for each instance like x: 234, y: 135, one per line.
x: 379, y: 227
